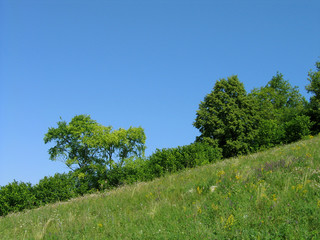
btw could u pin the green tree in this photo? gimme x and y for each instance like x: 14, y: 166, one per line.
x: 227, y: 118
x: 281, y: 108
x: 314, y: 105
x: 278, y: 97
x: 85, y: 145
x: 115, y: 146
x: 71, y: 142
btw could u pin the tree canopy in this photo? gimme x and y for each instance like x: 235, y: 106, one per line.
x: 227, y: 117
x: 314, y: 106
x: 240, y: 123
x: 84, y: 143
x: 281, y: 111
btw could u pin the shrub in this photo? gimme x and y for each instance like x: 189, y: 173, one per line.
x: 57, y: 188
x: 270, y: 133
x: 134, y: 170
x: 188, y: 156
x: 15, y: 197
x: 297, y: 128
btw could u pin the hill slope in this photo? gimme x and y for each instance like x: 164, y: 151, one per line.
x: 269, y: 195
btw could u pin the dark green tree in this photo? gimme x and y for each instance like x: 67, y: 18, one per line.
x: 314, y: 105
x: 282, y: 112
x: 228, y: 118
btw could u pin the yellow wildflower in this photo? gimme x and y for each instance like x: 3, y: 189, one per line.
x: 274, y: 197
x: 214, y: 207
x: 299, y: 186
x: 238, y: 177
x: 199, y: 190
x: 199, y: 210
x: 229, y: 222
x: 221, y: 173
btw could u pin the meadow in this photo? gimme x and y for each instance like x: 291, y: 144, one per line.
x: 272, y: 194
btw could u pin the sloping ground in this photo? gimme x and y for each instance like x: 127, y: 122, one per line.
x: 269, y: 195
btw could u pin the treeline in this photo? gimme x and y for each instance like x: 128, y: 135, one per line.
x: 239, y: 122
x: 231, y: 122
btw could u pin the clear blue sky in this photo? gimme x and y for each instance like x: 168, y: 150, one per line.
x: 136, y: 63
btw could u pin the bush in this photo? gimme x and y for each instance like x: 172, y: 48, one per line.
x: 15, y: 197
x: 134, y: 170
x: 175, y: 159
x: 297, y: 128
x: 60, y: 187
x: 270, y: 133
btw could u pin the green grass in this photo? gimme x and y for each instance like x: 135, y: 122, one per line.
x: 273, y: 194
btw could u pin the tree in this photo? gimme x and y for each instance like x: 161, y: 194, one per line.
x: 88, y: 146
x: 115, y: 146
x: 314, y: 105
x: 71, y: 142
x: 227, y: 118
x: 282, y: 109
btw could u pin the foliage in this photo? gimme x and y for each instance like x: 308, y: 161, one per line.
x: 278, y: 95
x: 135, y: 170
x: 114, y: 146
x: 174, y: 159
x: 240, y: 123
x: 90, y: 149
x: 271, y: 132
x: 70, y: 142
x: 228, y: 117
x: 278, y: 99
x: 60, y: 187
x: 314, y: 105
x: 282, y: 113
x: 297, y: 128
x: 15, y: 197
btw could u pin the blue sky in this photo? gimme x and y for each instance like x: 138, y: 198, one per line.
x: 136, y: 63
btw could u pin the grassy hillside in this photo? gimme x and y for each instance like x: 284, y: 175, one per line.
x: 269, y: 195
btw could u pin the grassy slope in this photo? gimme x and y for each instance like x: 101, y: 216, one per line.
x: 268, y: 195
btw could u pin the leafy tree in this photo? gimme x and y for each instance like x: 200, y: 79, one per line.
x: 71, y: 142
x: 314, y: 105
x: 117, y: 145
x: 90, y: 148
x: 278, y: 97
x: 281, y: 109
x: 228, y: 118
